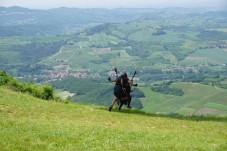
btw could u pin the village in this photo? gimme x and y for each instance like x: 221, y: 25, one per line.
x: 63, y: 71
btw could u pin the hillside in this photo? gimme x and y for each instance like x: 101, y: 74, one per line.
x: 64, y: 42
x: 28, y: 123
x: 198, y: 99
x: 179, y: 54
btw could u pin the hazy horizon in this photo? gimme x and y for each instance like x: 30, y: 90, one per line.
x: 48, y: 4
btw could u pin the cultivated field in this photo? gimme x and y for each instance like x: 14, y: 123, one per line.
x: 196, y: 96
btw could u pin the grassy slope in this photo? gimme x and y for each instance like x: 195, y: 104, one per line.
x: 27, y: 123
x: 196, y: 96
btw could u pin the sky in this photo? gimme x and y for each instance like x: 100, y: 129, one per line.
x: 47, y: 4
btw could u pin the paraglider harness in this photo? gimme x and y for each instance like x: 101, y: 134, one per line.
x: 124, y: 89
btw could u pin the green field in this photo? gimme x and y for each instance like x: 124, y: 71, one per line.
x: 196, y: 96
x: 27, y: 123
x: 217, y: 56
x: 63, y: 94
x: 143, y: 43
x: 84, y: 56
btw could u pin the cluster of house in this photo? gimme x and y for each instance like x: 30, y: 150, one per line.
x: 62, y: 71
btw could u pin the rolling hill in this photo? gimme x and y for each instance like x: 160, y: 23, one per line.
x: 95, y: 40
x: 173, y: 45
x: 28, y: 123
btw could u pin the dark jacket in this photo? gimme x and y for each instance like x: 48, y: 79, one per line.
x: 121, y: 87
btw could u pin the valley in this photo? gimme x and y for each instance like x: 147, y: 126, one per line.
x: 173, y: 51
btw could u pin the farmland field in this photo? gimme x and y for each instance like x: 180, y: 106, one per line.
x: 216, y: 56
x: 195, y: 96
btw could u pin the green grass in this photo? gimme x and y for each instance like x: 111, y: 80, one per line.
x: 15, y: 40
x: 165, y: 54
x: 63, y: 94
x: 102, y: 39
x: 27, y: 123
x: 186, y: 111
x: 195, y: 97
x: 13, y: 57
x: 214, y: 55
x: 216, y: 106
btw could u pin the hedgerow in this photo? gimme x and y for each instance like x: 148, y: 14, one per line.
x: 43, y: 91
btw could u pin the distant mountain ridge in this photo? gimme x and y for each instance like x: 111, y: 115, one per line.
x: 30, y: 22
x: 57, y: 20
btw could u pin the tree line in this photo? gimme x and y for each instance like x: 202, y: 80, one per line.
x: 166, y: 89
